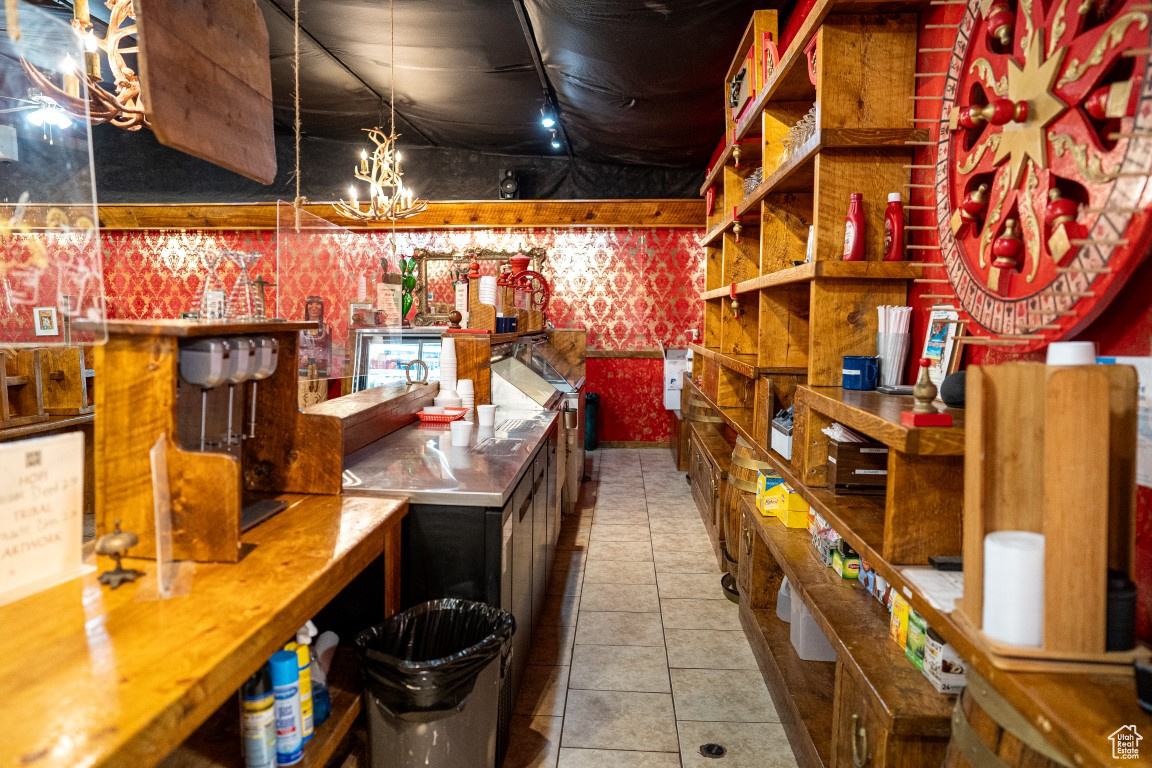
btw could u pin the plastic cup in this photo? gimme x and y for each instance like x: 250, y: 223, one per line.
x: 486, y: 415
x: 465, y: 387
x: 1071, y: 353
x: 461, y: 433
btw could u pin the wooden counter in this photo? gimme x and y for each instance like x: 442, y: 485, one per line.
x: 91, y: 676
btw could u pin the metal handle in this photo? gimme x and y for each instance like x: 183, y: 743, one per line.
x: 859, y: 735
x: 748, y: 542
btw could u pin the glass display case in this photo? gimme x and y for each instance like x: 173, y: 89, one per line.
x: 382, y: 355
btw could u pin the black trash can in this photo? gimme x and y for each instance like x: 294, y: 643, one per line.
x: 591, y: 412
x: 432, y: 679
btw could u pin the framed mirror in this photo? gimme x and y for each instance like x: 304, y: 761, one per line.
x: 461, y: 261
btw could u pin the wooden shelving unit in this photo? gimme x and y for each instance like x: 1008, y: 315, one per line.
x: 776, y: 326
x: 218, y: 744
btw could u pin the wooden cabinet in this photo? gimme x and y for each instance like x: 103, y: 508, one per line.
x: 862, y: 739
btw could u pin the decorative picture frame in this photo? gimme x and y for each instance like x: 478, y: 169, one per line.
x: 46, y: 321
x: 361, y: 313
x: 940, y: 345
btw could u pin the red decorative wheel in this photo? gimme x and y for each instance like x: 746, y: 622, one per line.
x: 534, y: 288
x: 1043, y: 158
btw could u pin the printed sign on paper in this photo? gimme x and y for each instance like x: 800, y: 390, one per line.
x: 41, y: 513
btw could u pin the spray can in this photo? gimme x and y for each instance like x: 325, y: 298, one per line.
x: 285, y: 674
x: 304, y: 668
x: 258, y: 721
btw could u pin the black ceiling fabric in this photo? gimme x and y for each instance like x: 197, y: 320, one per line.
x: 638, y: 86
x: 636, y: 82
x: 640, y: 82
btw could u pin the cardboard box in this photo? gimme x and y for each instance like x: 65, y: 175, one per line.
x: 917, y: 639
x: 766, y: 483
x: 943, y: 666
x: 785, y: 503
x: 898, y: 626
x: 845, y: 567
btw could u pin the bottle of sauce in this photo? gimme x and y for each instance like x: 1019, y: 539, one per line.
x: 258, y: 721
x: 854, y: 229
x: 894, y: 229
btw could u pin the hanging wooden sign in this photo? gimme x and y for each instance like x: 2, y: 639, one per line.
x: 206, y: 81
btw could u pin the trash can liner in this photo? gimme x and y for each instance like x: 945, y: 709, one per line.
x: 426, y: 659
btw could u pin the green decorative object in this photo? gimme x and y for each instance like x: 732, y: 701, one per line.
x: 408, y: 266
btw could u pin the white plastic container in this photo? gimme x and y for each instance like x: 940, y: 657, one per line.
x: 807, y: 639
x: 784, y: 601
x: 782, y: 441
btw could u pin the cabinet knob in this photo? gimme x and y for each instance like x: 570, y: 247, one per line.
x: 859, y: 743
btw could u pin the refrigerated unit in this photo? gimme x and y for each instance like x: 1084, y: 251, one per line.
x: 382, y: 355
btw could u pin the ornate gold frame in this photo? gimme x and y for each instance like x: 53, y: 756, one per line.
x: 425, y: 317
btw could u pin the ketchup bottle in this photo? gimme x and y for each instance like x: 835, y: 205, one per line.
x: 854, y: 229
x: 894, y: 229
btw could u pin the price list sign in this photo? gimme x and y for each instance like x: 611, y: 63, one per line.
x: 41, y: 513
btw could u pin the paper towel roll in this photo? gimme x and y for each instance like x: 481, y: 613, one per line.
x: 1014, y: 588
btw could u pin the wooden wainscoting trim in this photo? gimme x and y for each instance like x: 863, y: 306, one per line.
x: 474, y: 214
x: 619, y: 354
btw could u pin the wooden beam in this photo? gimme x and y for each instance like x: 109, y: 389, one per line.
x: 476, y: 214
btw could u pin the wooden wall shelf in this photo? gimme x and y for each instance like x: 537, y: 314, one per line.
x: 712, y: 235
x: 844, y: 612
x: 749, y: 155
x: 132, y: 692
x: 797, y: 174
x: 878, y: 416
x: 808, y: 271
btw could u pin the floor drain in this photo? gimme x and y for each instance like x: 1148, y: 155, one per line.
x: 712, y: 750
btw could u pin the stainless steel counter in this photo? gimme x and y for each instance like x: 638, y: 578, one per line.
x: 419, y: 462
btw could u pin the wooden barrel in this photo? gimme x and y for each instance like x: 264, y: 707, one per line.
x: 741, y: 479
x: 987, y: 732
x: 696, y: 409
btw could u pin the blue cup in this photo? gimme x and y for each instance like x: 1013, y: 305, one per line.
x: 860, y: 372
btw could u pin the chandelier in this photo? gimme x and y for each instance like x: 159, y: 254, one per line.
x: 388, y: 198
x: 122, y: 109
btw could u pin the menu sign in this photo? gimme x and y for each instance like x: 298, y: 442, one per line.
x: 41, y: 513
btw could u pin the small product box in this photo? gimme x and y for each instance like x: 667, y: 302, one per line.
x: 898, y: 627
x: 789, y: 506
x: 867, y: 577
x: 845, y: 567
x: 942, y: 665
x: 882, y: 592
x: 766, y: 483
x: 917, y: 639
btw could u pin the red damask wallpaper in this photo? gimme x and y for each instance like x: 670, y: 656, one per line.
x: 631, y: 288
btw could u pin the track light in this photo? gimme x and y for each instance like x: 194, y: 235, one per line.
x: 547, y: 116
x: 555, y: 140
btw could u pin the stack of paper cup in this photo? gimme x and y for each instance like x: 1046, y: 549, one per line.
x: 488, y: 289
x: 467, y: 392
x: 447, y: 364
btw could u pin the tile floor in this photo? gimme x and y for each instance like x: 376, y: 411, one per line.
x: 639, y: 659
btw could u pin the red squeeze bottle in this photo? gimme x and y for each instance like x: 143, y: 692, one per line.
x: 894, y: 229
x: 854, y: 229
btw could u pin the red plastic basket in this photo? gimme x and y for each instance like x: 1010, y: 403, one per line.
x: 450, y: 414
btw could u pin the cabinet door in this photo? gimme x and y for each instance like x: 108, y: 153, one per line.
x: 540, y: 513
x: 861, y: 740
x: 521, y: 580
